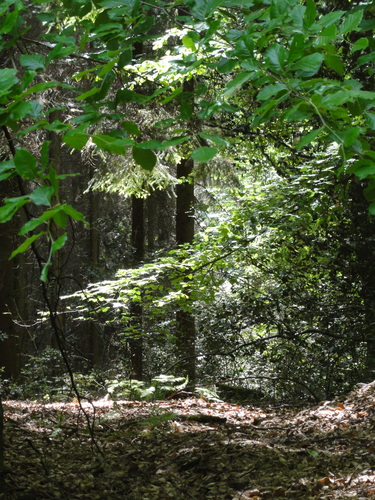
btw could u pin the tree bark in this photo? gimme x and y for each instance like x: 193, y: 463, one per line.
x: 185, y: 321
x: 136, y: 309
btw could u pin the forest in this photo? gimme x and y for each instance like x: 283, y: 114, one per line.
x: 187, y: 227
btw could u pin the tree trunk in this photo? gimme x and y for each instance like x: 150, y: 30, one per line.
x: 185, y: 321
x: 136, y: 309
x: 2, y: 485
x: 8, y: 345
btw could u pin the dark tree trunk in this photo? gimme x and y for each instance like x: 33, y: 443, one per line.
x: 136, y: 310
x: 363, y: 236
x: 94, y: 258
x: 8, y: 345
x: 185, y: 321
x: 2, y: 485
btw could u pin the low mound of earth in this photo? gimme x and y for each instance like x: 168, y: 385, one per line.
x: 190, y: 449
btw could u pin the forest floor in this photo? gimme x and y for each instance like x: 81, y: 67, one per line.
x: 191, y: 449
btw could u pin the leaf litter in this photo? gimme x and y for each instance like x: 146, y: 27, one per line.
x: 191, y: 449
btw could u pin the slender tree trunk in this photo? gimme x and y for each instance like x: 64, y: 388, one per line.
x: 8, y: 345
x: 2, y: 485
x: 94, y: 258
x: 363, y: 232
x: 136, y: 309
x: 185, y: 321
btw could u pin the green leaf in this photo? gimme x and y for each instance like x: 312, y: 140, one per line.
x: 360, y: 44
x: 125, y: 59
x: 236, y: 83
x: 308, y: 65
x: 276, y: 57
x: 44, y: 273
x: 327, y: 36
x: 73, y: 213
x: 202, y: 9
x: 11, y: 207
x: 60, y: 51
x: 26, y: 108
x: 76, y: 139
x: 351, y: 21
x: 215, y: 138
x: 307, y: 139
x: 370, y: 119
x: 271, y: 90
x: 59, y: 243
x: 204, y: 154
x: 363, y: 169
x: 226, y: 65
x: 26, y: 244
x: 297, y: 47
x: 113, y: 144
x: 7, y: 80
x: 334, y: 62
x: 329, y: 19
x: 26, y: 164
x: 186, y: 111
x: 85, y: 95
x: 60, y: 219
x: 33, y: 61
x: 188, y: 43
x: 131, y: 128
x: 175, y: 141
x: 310, y: 14
x: 244, y: 48
x: 145, y: 158
x: 42, y: 195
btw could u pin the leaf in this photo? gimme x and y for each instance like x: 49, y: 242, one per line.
x: 351, y: 21
x: 271, y: 90
x: 44, y: 273
x: 370, y: 119
x: 73, y: 213
x: 226, y: 65
x: 33, y: 61
x: 360, y: 44
x: 362, y: 169
x: 310, y: 14
x: 42, y: 195
x: 204, y: 154
x: 308, y: 65
x: 202, y: 9
x: 26, y: 164
x: 11, y: 208
x: 334, y: 62
x: 276, y: 57
x: 188, y: 43
x: 131, y: 128
x: 76, y: 139
x: 89, y: 93
x: 215, y: 138
x: 26, y: 108
x: 326, y: 37
x: 7, y: 80
x: 145, y: 158
x: 186, y: 111
x: 236, y: 83
x: 125, y: 58
x: 26, y: 244
x: 59, y: 243
x: 60, y: 51
x: 112, y: 144
x: 307, y: 139
x: 297, y: 47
